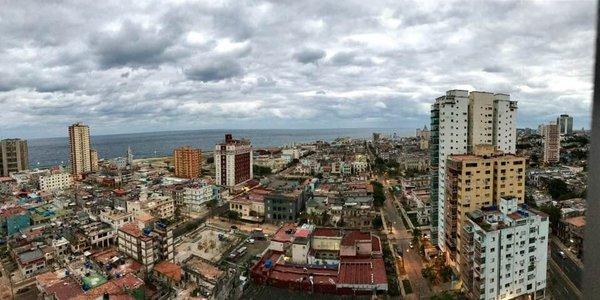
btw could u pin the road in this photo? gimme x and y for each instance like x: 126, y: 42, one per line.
x: 412, y: 258
x: 568, y: 266
x: 558, y: 285
x: 564, y: 274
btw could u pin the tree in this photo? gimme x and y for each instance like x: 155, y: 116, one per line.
x: 377, y: 222
x: 261, y: 170
x: 558, y: 189
x: 446, y: 273
x: 428, y: 273
x: 553, y: 213
x: 416, y: 236
x: 212, y: 203
x: 324, y: 218
x: 445, y: 295
x: 378, y: 194
x: 233, y: 215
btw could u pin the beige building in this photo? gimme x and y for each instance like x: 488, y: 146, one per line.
x: 94, y: 160
x: 187, y: 162
x: 146, y: 245
x: 551, y: 141
x: 478, y: 180
x: 56, y: 181
x: 80, y: 154
x: 14, y: 156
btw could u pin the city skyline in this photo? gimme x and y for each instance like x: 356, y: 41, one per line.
x: 184, y: 66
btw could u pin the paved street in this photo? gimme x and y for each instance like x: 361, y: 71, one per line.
x: 558, y: 287
x: 569, y: 267
x: 412, y: 259
x: 564, y: 274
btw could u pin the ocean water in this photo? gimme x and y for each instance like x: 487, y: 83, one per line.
x: 47, y: 152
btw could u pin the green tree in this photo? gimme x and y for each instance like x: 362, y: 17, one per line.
x: 428, y: 273
x: 377, y: 222
x: 446, y: 273
x: 558, y: 189
x: 553, y: 213
x: 416, y: 234
x: 233, y: 215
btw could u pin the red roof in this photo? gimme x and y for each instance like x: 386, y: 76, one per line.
x: 352, y: 237
x: 362, y: 271
x: 303, y: 233
x: 12, y: 211
x: 282, y: 234
x: 169, y: 269
x: 327, y: 232
x: 375, y: 244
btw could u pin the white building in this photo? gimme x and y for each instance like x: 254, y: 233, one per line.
x: 460, y: 121
x: 451, y: 130
x: 116, y: 218
x: 504, y: 252
x: 505, y: 124
x: 194, y: 199
x: 55, y: 182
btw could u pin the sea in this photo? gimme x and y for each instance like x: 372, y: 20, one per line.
x: 47, y: 152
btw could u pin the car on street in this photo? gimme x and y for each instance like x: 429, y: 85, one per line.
x: 562, y: 254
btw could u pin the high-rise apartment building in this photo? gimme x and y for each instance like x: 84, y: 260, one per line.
x: 460, y: 121
x: 449, y: 128
x: 551, y: 143
x: 187, y: 162
x: 93, y: 160
x: 478, y: 180
x: 80, y: 154
x: 504, y: 252
x: 492, y: 121
x: 233, y: 161
x: 565, y: 124
x: 14, y: 156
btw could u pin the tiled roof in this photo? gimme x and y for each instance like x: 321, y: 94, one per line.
x: 352, y: 237
x: 169, y: 269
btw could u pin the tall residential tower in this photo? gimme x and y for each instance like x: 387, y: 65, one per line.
x: 565, y: 124
x: 83, y: 159
x: 14, y: 156
x: 460, y: 121
x: 187, y: 162
x: 233, y: 161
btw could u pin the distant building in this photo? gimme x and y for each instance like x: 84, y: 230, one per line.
x: 233, y: 162
x: 504, y: 254
x: 56, y: 181
x: 14, y: 156
x: 187, y: 162
x: 94, y: 160
x: 79, y: 145
x: 565, y: 124
x: 551, y: 142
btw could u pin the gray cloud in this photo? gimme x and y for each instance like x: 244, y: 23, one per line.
x: 141, y: 67
x: 214, y: 71
x: 133, y: 45
x: 309, y: 55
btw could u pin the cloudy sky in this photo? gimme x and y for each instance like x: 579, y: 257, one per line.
x: 284, y: 64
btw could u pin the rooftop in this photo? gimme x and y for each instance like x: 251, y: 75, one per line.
x: 170, y: 270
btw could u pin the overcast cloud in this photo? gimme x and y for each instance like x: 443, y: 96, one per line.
x: 284, y: 64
